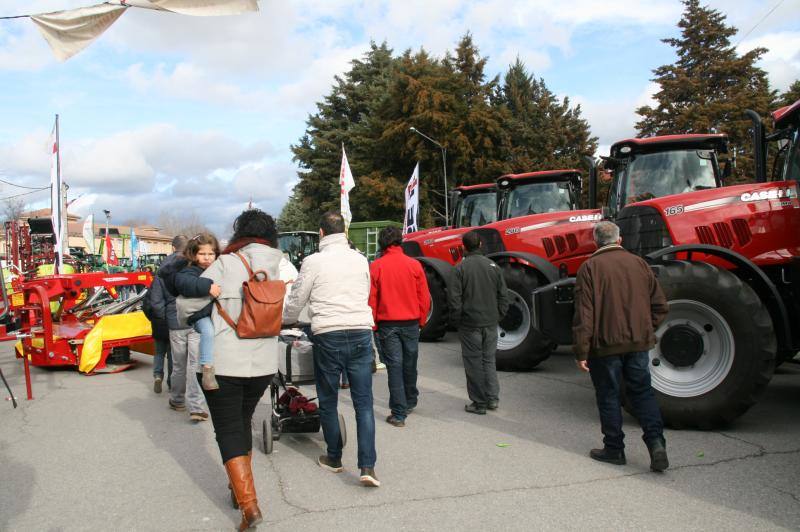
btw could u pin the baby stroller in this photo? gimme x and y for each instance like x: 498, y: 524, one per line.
x: 292, y: 412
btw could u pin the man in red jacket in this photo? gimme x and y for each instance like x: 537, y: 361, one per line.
x: 400, y: 303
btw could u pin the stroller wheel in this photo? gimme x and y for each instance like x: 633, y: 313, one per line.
x: 266, y: 435
x: 342, y: 430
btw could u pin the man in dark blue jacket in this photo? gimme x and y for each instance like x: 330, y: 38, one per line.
x: 155, y: 308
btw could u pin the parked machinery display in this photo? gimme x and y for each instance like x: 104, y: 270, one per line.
x: 727, y: 259
x: 473, y: 205
x: 539, y: 217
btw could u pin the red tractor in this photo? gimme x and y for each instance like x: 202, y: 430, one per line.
x: 472, y: 205
x: 728, y: 260
x: 535, y: 203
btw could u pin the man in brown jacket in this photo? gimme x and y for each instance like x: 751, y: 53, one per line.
x: 618, y: 305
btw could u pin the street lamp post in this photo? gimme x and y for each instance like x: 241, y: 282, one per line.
x: 444, y: 172
x: 107, y: 239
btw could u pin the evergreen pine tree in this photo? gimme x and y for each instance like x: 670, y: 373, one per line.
x: 709, y: 87
x: 791, y: 95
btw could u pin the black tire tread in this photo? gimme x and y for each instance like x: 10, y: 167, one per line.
x: 681, y: 273
x: 436, y: 327
x: 540, y: 348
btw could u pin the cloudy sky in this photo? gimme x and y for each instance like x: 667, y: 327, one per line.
x: 169, y: 113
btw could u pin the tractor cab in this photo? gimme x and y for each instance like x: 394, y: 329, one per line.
x: 298, y: 245
x: 787, y: 126
x: 474, y: 205
x: 538, y: 193
x: 655, y: 167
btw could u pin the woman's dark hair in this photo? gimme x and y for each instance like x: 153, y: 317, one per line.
x: 390, y: 236
x: 255, y: 223
x: 193, y: 246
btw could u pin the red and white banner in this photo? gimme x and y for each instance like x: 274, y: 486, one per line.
x: 110, y: 255
x: 411, y: 219
x: 56, y: 216
x: 346, y: 184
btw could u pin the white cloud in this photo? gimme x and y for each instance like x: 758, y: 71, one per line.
x: 782, y: 61
x: 142, y: 172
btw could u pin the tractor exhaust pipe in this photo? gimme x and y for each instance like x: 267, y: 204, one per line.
x: 592, y: 181
x: 759, y: 146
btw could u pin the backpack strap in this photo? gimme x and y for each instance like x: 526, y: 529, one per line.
x: 225, y: 315
x: 252, y: 275
x: 246, y: 265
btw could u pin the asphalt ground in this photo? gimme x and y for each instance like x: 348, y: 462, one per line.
x: 106, y: 453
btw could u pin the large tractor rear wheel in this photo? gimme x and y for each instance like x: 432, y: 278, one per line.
x: 716, y: 348
x: 436, y: 326
x: 519, y: 346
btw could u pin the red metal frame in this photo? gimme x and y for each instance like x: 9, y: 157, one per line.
x: 61, y: 333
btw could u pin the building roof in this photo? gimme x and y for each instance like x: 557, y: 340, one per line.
x: 75, y: 227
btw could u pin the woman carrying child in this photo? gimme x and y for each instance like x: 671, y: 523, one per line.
x: 243, y: 367
x: 201, y: 252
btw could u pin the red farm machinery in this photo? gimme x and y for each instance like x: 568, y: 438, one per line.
x: 544, y: 203
x: 727, y: 258
x: 86, y: 320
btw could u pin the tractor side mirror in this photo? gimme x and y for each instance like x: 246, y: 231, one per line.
x: 727, y: 170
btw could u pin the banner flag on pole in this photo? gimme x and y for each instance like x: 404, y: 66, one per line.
x: 411, y: 221
x: 88, y: 234
x: 110, y: 255
x: 346, y: 184
x: 134, y: 250
x: 55, y: 198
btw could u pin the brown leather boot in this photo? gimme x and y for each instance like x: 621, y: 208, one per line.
x: 230, y: 487
x: 241, y: 476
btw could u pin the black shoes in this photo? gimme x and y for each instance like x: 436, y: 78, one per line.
x: 326, y: 462
x: 492, y: 404
x: 395, y: 422
x: 658, y: 456
x: 475, y: 408
x: 368, y: 478
x: 609, y: 456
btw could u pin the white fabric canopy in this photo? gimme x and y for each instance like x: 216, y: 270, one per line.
x: 69, y: 32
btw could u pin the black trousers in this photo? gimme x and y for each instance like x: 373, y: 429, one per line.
x: 231, y: 408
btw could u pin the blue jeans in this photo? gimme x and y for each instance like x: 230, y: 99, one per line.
x: 607, y: 373
x: 205, y: 328
x: 347, y: 351
x: 162, y: 351
x: 400, y: 349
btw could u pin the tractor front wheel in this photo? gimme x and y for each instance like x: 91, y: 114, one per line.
x: 519, y: 346
x: 715, y: 350
x: 436, y: 326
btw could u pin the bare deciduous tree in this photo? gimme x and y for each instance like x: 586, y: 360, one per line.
x: 13, y: 208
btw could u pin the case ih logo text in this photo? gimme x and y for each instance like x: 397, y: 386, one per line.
x: 586, y: 218
x: 773, y: 193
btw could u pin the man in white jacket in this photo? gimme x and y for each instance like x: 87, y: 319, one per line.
x: 335, y: 285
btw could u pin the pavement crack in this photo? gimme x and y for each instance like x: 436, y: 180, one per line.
x: 789, y: 493
x: 742, y: 440
x: 564, y: 381
x: 501, y: 491
x: 282, y: 488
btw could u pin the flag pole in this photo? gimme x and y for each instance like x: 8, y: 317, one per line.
x: 57, y: 184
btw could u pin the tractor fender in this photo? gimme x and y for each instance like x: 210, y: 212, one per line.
x: 441, y: 268
x: 543, y: 266
x: 761, y: 283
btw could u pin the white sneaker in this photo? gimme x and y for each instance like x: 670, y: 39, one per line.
x: 380, y: 365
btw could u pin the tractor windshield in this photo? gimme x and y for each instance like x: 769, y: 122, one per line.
x: 539, y: 198
x: 477, y: 209
x: 792, y: 169
x: 653, y: 175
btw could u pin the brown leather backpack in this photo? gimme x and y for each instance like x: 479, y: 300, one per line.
x: 262, y: 306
